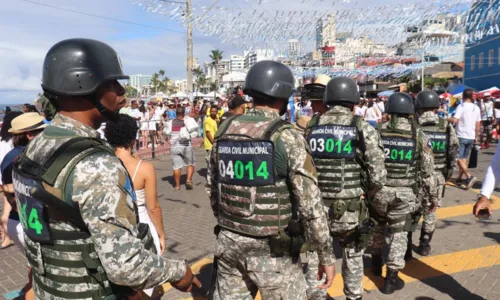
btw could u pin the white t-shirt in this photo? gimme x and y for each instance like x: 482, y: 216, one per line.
x: 358, y: 111
x: 371, y: 114
x: 488, y: 107
x: 467, y: 114
x: 5, y: 147
x: 497, y: 113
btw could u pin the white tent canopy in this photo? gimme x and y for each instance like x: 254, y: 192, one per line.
x: 198, y: 94
x: 234, y: 77
x: 180, y: 95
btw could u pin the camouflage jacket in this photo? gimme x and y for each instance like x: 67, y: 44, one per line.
x: 453, y: 147
x: 373, y: 157
x: 106, y: 207
x: 303, y: 184
x: 426, y: 164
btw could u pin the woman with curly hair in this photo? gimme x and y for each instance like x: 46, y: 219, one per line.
x: 122, y: 135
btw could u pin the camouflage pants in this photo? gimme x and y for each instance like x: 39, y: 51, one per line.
x: 394, y: 204
x: 352, y: 272
x: 246, y: 266
x: 429, y: 224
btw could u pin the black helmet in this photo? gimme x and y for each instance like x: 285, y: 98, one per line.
x: 427, y: 99
x: 400, y: 103
x: 77, y: 67
x: 341, y: 89
x: 269, y: 79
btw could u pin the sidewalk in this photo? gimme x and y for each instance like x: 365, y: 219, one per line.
x: 464, y: 263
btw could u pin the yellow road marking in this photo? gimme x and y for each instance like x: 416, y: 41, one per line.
x: 196, y: 267
x: 442, y: 213
x: 425, y: 267
x: 429, y: 267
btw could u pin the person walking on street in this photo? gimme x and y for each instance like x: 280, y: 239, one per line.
x: 445, y: 148
x: 180, y: 131
x: 349, y: 157
x: 262, y: 193
x: 468, y: 123
x: 78, y: 196
x: 409, y: 162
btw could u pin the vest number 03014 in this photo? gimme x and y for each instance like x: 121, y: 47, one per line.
x: 32, y: 221
x: 330, y: 145
x: 238, y: 169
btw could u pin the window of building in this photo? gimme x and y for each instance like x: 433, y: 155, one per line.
x: 491, y: 54
x: 480, y: 63
x: 472, y: 62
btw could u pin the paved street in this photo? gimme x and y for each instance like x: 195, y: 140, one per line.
x: 464, y: 263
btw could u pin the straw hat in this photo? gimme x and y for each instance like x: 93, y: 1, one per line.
x: 27, y: 122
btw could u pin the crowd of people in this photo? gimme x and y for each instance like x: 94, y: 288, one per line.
x: 84, y: 209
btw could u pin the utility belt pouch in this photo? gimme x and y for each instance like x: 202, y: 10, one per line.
x: 410, y: 224
x: 280, y: 244
x: 364, y: 232
x: 337, y: 209
x: 144, y: 234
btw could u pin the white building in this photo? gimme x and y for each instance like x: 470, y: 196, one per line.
x: 326, y: 31
x: 254, y: 56
x: 294, y: 49
x: 195, y: 63
x: 181, y: 85
x: 222, y: 68
x: 237, y: 63
x: 347, y: 52
x: 140, y: 81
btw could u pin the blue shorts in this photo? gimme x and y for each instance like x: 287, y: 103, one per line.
x: 465, y: 147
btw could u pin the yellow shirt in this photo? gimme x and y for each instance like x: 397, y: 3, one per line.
x: 209, y: 125
x: 219, y: 113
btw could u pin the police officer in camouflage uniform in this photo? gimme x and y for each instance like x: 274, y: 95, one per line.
x: 349, y: 157
x: 262, y: 181
x: 445, y: 147
x: 409, y: 162
x: 75, y: 198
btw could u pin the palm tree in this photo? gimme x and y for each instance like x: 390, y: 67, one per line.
x: 155, y: 82
x: 198, y: 72
x: 201, y: 81
x: 216, y: 57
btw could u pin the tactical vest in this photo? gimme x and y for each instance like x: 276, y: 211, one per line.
x: 253, y: 198
x: 38, y: 205
x: 334, y: 149
x: 439, y: 134
x: 402, y: 154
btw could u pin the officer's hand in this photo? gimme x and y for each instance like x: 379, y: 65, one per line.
x: 186, y: 283
x: 330, y: 274
x: 162, y: 245
x: 482, y: 203
x: 433, y: 207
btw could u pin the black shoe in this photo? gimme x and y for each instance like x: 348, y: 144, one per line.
x: 392, y: 282
x: 470, y: 182
x: 409, y: 246
x: 424, y: 248
x: 377, y: 264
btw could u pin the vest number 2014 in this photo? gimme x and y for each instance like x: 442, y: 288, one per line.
x: 238, y: 169
x: 396, y: 154
x: 32, y: 221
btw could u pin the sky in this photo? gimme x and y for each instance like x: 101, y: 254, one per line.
x: 28, y: 31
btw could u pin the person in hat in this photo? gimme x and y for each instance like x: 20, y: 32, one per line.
x: 24, y: 128
x: 79, y: 197
x: 236, y: 108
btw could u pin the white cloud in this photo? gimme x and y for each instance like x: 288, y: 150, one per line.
x: 29, y: 30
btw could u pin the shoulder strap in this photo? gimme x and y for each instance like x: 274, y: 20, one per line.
x: 136, y: 169
x: 442, y: 124
x: 275, y: 126
x: 224, y: 126
x: 64, y: 154
x: 356, y: 122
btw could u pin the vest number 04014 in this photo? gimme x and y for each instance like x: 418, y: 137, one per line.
x: 32, y: 221
x: 330, y: 145
x: 238, y: 169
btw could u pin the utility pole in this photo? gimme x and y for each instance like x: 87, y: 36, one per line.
x: 189, y: 64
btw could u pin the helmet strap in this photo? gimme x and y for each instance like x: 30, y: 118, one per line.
x: 111, y: 116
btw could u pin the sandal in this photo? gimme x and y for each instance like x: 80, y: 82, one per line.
x: 7, y: 246
x: 189, y: 185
